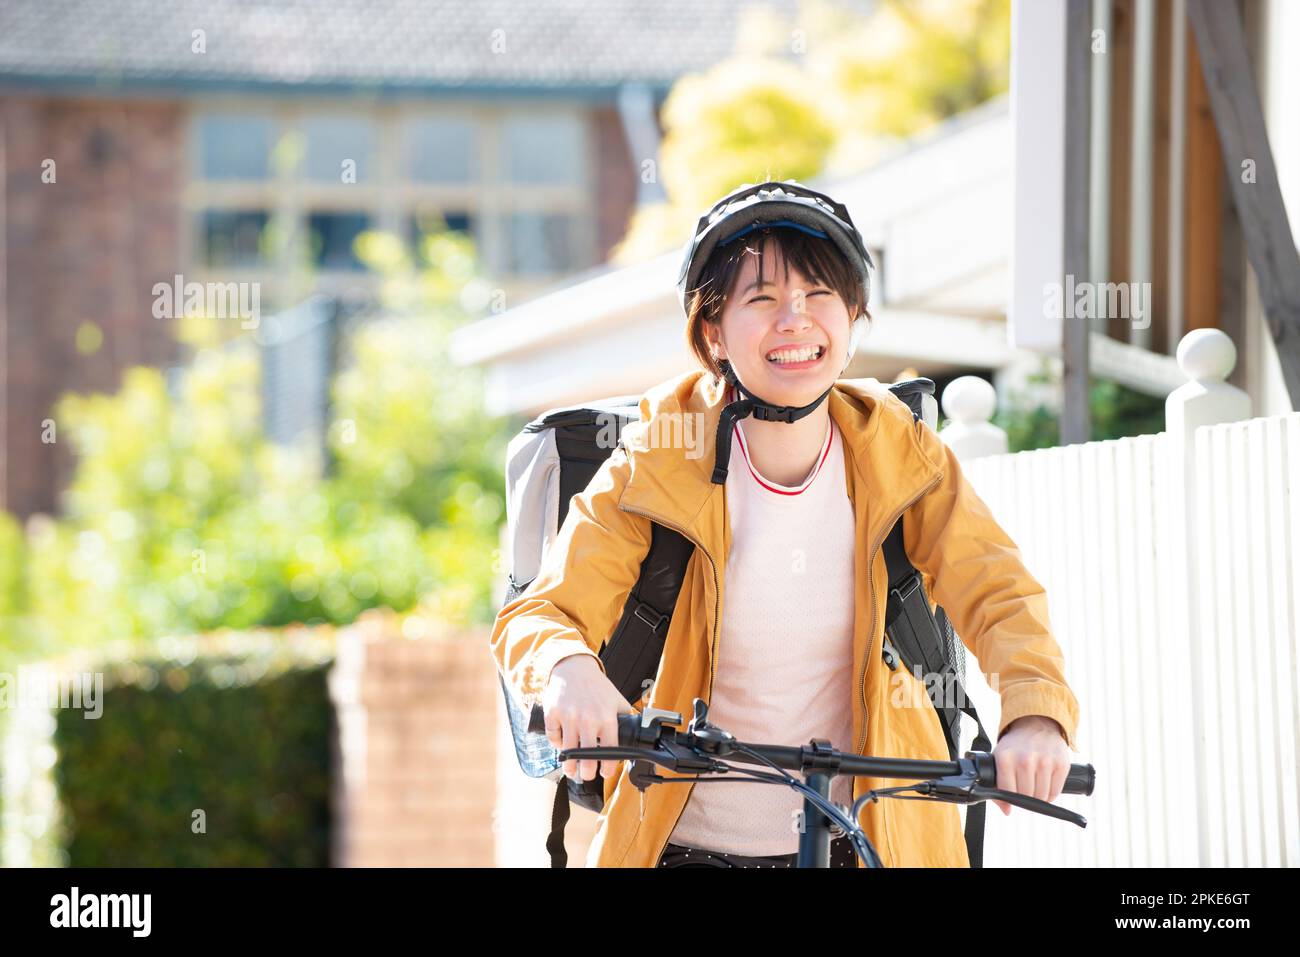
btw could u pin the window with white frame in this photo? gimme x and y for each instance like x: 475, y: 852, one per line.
x: 274, y: 186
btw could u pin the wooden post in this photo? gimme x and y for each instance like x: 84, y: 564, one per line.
x: 1076, y: 425
x: 1243, y: 138
x: 1119, y: 46
x: 1203, y: 204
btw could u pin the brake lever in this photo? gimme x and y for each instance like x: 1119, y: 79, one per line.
x: 963, y: 789
x: 1032, y: 804
x: 673, y: 756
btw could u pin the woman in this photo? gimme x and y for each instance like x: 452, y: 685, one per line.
x: 778, y: 625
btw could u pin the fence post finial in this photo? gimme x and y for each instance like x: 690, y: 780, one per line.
x: 969, y: 402
x: 1207, y: 357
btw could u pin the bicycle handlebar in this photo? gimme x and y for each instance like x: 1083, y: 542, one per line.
x: 644, y: 740
x: 643, y: 736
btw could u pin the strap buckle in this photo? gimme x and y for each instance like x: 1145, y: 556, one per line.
x: 775, y: 413
x: 653, y: 623
x: 904, y: 591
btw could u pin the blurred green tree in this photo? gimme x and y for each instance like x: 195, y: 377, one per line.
x: 825, y: 90
x: 913, y: 63
x: 181, y: 517
x: 13, y: 583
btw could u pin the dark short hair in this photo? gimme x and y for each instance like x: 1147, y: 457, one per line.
x: 818, y: 259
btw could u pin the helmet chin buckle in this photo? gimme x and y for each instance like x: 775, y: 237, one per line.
x: 759, y: 408
x: 775, y: 413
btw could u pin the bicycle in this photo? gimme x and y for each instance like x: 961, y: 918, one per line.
x: 645, y: 739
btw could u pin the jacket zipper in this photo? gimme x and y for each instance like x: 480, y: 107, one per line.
x: 871, y: 593
x: 713, y: 650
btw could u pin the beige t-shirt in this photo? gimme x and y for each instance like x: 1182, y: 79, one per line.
x: 784, y: 669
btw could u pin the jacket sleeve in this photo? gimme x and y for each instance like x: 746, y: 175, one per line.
x: 577, y: 598
x: 998, y: 609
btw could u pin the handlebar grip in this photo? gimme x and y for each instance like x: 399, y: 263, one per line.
x: 1080, y: 780
x: 629, y: 727
x: 629, y: 724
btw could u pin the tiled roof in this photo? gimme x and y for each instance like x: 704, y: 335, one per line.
x: 394, y: 45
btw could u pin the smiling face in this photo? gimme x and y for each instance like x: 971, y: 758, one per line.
x: 785, y: 333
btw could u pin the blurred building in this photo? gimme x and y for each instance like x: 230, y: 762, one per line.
x: 935, y: 216
x: 966, y: 223
x: 231, y: 141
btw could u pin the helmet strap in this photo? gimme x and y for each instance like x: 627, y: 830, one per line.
x: 744, y: 407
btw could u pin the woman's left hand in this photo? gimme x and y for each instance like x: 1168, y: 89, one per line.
x: 1032, y: 759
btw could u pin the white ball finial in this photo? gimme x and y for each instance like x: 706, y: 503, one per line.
x: 1206, y: 357
x: 1207, y: 354
x: 969, y: 400
x: 969, y: 403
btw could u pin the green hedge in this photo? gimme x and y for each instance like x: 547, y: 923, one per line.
x: 237, y: 726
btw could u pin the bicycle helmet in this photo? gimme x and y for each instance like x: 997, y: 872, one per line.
x: 740, y: 212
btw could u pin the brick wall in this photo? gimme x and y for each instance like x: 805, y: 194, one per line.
x: 616, y: 180
x: 424, y: 770
x: 415, y: 763
x: 85, y: 248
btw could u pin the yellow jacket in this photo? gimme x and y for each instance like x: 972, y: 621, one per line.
x: 894, y: 467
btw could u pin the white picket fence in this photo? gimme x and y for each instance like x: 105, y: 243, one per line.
x: 1172, y: 568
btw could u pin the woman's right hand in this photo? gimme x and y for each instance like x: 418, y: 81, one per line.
x: 582, y: 708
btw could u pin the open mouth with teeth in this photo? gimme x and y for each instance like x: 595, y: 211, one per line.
x: 800, y: 358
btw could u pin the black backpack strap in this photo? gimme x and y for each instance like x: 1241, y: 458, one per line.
x: 975, y: 812
x: 913, y: 631
x: 924, y: 643
x: 921, y: 640
x: 559, y: 819
x: 631, y: 658
x: 632, y: 653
